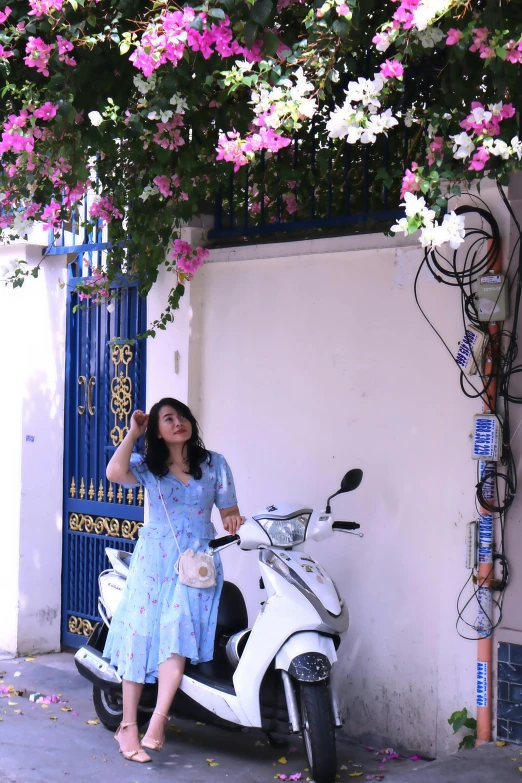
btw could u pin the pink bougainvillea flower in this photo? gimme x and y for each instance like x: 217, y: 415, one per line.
x: 4, y: 14
x: 479, y: 159
x: 187, y: 259
x: 44, y: 7
x: 38, y: 54
x: 392, y: 69
x: 411, y: 182
x: 163, y: 184
x: 454, y: 36
x: 46, y: 112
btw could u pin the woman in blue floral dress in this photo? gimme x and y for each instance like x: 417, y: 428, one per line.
x: 160, y: 622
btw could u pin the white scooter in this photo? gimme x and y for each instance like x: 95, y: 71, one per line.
x: 274, y: 676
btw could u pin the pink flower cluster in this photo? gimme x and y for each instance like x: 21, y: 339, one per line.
x: 4, y: 53
x: 99, y: 285
x: 233, y: 149
x: 486, y: 122
x: 479, y: 159
x: 403, y: 16
x: 411, y: 182
x: 46, y: 111
x: 483, y: 44
x: 163, y: 184
x: 105, y: 210
x: 74, y: 194
x: 166, y: 41
x: 50, y: 216
x: 392, y: 69
x: 64, y: 48
x: 44, y: 7
x: 480, y: 43
x: 453, y: 37
x: 435, y: 149
x: 12, y: 139
x: 38, y: 54
x: 4, y: 14
x: 167, y: 135
x: 187, y: 259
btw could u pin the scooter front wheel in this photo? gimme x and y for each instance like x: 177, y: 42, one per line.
x: 109, y: 709
x: 318, y: 730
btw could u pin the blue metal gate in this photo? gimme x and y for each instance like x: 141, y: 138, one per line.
x: 105, y: 382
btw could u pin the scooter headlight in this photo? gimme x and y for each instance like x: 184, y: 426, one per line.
x: 285, y: 531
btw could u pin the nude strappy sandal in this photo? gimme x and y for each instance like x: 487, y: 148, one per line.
x: 154, y: 744
x: 130, y: 755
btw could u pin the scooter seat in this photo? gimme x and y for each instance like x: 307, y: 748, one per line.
x: 232, y: 613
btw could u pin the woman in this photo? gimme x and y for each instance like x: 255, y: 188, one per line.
x: 160, y: 622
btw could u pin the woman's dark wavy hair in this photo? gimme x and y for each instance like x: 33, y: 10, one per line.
x: 157, y: 451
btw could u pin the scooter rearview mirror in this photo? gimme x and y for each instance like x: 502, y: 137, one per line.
x: 351, y: 481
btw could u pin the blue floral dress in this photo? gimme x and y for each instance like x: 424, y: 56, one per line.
x: 157, y: 615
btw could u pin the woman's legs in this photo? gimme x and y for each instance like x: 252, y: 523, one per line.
x: 170, y: 673
x: 129, y: 738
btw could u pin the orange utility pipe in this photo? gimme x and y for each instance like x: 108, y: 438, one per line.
x: 485, y: 570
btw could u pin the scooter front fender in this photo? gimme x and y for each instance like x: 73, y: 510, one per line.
x: 307, y: 656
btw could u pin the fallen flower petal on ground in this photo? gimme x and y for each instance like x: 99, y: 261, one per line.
x: 415, y: 757
x: 92, y: 722
x: 282, y: 760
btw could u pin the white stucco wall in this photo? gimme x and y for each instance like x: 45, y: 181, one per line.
x: 32, y: 397
x: 307, y: 359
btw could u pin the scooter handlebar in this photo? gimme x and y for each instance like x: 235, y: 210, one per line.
x: 219, y: 543
x: 346, y: 526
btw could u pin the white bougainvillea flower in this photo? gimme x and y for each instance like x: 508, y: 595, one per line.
x: 95, y: 118
x: 463, y: 146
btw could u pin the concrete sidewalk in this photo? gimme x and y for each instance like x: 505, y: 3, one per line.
x: 44, y: 743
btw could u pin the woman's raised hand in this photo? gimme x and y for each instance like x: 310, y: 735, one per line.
x: 233, y: 522
x: 139, y: 421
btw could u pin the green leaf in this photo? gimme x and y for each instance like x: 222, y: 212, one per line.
x: 250, y: 33
x: 91, y: 20
x: 341, y: 28
x: 74, y: 4
x: 216, y: 13
x: 261, y: 11
x: 124, y: 47
x: 458, y: 720
x: 271, y: 43
x: 467, y: 742
x: 425, y: 186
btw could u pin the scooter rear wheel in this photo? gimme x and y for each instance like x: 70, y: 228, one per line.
x: 318, y: 730
x: 109, y: 709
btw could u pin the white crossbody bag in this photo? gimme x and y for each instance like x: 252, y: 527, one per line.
x: 194, y: 569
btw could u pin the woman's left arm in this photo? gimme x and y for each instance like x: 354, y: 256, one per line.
x: 231, y: 518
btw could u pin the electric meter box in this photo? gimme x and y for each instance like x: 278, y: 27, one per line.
x: 471, y: 347
x: 487, y: 437
x: 493, y: 300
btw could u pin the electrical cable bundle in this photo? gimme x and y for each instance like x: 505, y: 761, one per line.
x: 462, y: 269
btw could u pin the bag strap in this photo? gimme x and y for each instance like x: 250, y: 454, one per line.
x: 168, y: 517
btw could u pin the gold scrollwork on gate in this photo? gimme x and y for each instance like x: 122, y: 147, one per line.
x: 105, y: 526
x: 121, y: 392
x: 80, y: 625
